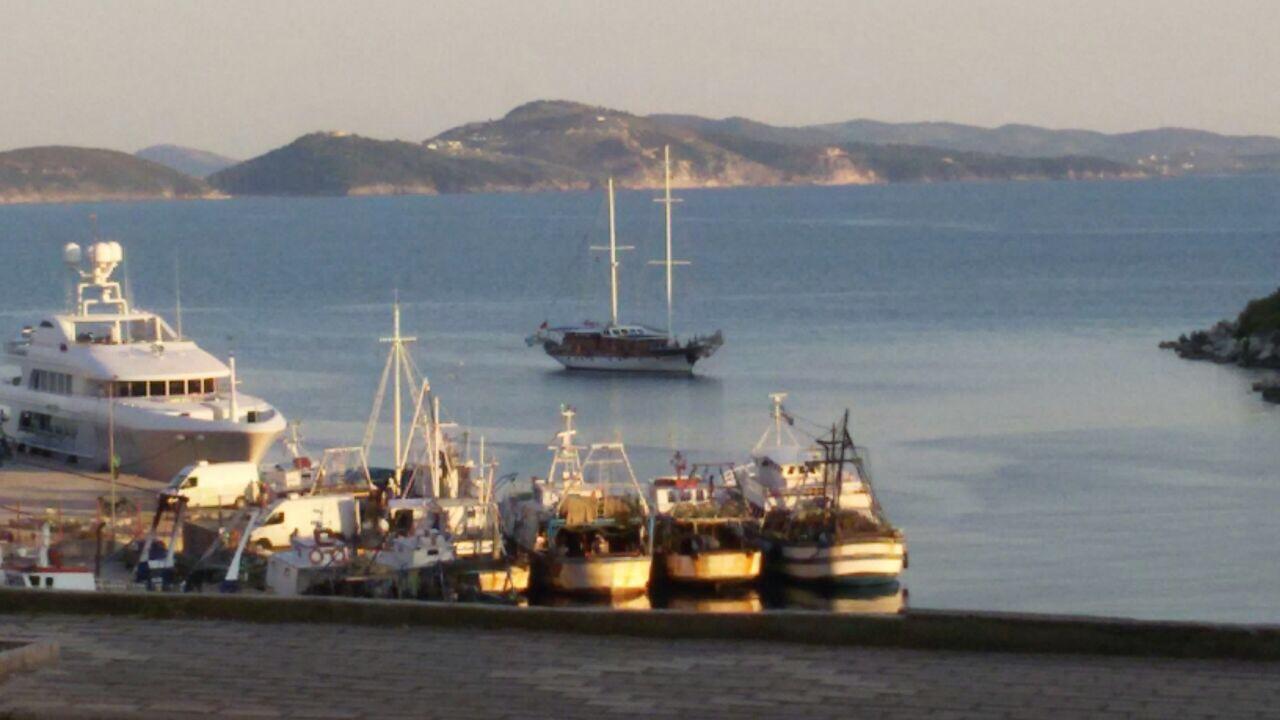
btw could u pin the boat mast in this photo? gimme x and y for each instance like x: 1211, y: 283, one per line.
x: 396, y: 365
x: 613, y: 249
x: 667, y: 200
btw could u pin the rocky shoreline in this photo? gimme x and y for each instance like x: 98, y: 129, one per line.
x: 1225, y: 344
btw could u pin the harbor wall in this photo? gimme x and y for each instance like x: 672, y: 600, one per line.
x: 919, y: 629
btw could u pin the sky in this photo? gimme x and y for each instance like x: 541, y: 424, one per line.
x: 241, y: 78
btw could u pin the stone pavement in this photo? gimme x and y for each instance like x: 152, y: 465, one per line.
x: 114, y: 667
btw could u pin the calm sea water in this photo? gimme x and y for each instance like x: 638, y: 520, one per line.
x: 996, y: 344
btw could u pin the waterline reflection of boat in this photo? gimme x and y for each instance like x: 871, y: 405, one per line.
x: 888, y: 599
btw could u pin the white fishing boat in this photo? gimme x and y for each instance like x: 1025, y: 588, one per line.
x: 628, y: 347
x: 108, y: 379
x: 785, y: 472
x: 599, y: 540
x: 817, y: 539
x: 44, y: 571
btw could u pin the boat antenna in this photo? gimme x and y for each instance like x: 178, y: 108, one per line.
x: 613, y: 258
x: 668, y: 201
x: 177, y: 294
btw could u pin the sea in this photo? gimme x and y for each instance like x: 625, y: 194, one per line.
x: 994, y: 343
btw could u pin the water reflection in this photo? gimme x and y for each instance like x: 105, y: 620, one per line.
x: 888, y: 599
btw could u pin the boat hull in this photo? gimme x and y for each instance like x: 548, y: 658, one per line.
x: 149, y: 443
x: 616, y: 575
x: 677, y: 364
x: 855, y: 562
x: 711, y: 568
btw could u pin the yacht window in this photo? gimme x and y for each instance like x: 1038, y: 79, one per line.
x: 35, y: 580
x: 671, y: 496
x: 138, y: 388
x: 177, y: 387
x: 276, y: 519
x: 120, y: 389
x: 191, y: 482
x: 52, y: 382
x: 193, y: 387
x: 157, y: 388
x: 209, y: 386
x: 46, y: 324
x: 48, y: 582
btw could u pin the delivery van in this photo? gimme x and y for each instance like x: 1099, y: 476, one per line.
x: 339, y: 514
x: 211, y: 485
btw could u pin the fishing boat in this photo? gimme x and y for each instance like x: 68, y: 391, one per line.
x: 599, y: 538
x: 109, y: 380
x: 526, y: 510
x: 785, y: 472
x: 817, y: 539
x: 628, y: 347
x: 45, y: 570
x: 703, y: 535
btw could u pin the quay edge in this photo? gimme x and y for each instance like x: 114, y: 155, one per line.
x: 918, y: 629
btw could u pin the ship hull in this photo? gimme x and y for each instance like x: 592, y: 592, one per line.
x: 855, y: 562
x: 616, y: 575
x: 713, y: 568
x: 149, y: 443
x: 675, y: 364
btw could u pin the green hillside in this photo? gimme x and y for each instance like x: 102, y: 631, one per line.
x: 75, y: 174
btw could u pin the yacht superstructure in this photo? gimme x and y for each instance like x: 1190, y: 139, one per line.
x: 107, y: 378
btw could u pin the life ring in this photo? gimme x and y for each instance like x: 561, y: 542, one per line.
x: 340, y: 555
x: 315, y: 556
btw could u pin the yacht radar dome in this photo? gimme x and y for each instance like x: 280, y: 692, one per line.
x: 71, y: 254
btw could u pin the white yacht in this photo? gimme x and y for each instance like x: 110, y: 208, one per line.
x: 107, y: 377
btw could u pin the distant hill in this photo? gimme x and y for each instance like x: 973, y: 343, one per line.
x: 1165, y: 151
x: 565, y: 145
x: 76, y: 174
x: 193, y: 162
x: 343, y: 164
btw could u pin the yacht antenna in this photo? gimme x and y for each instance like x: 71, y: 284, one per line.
x: 613, y: 258
x: 667, y: 200
x: 177, y: 294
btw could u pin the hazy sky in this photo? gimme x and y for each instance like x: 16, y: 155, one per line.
x: 243, y: 77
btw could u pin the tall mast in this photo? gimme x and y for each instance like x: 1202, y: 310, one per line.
x: 613, y: 260
x: 613, y: 249
x: 667, y: 200
x: 396, y: 362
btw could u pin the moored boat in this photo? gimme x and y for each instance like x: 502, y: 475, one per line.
x: 598, y: 541
x: 109, y: 380
x: 703, y: 535
x: 816, y: 539
x: 619, y: 347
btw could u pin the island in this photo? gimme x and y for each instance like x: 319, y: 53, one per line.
x: 78, y: 174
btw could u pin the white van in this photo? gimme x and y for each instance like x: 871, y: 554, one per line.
x: 337, y: 513
x: 210, y: 485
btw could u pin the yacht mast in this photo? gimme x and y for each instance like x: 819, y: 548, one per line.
x: 667, y: 200
x: 613, y: 249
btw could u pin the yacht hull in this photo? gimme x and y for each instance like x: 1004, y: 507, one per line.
x: 855, y: 562
x: 149, y: 442
x: 677, y: 364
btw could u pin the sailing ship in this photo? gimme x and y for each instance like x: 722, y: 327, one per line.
x: 615, y: 346
x: 817, y: 539
x: 703, y: 535
x: 108, y: 380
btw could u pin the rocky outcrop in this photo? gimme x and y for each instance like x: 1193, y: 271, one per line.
x: 1224, y: 343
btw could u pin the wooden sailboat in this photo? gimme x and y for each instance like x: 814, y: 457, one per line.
x: 615, y: 346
